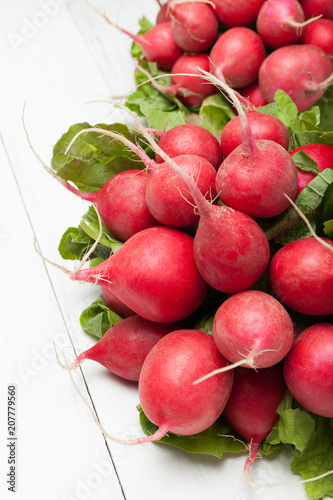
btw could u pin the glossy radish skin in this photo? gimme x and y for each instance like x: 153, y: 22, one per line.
x: 269, y: 172
x: 319, y: 33
x: 313, y: 8
x: 231, y: 250
x: 115, y: 304
x: 125, y: 346
x: 301, y: 276
x: 253, y: 325
x: 121, y: 203
x: 166, y: 391
x: 143, y: 272
x: 262, y: 127
x: 302, y: 71
x: 238, y: 55
x: 188, y: 64
x: 167, y: 195
x: 275, y: 22
x: 194, y: 25
x: 253, y: 93
x: 322, y: 154
x: 308, y: 369
x: 251, y: 407
x: 191, y: 140
x: 240, y: 13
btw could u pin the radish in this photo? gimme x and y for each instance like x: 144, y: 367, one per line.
x: 238, y: 55
x: 153, y: 273
x: 191, y: 139
x: 157, y: 44
x: 194, y: 25
x: 253, y: 329
x: 322, y: 154
x: 280, y: 22
x: 301, y: 276
x: 257, y: 175
x: 121, y: 203
x: 319, y: 33
x: 115, y: 304
x: 233, y: 13
x: 253, y: 93
x: 163, y: 15
x: 304, y: 72
x: 251, y: 407
x: 314, y: 8
x: 262, y: 127
x: 308, y: 369
x: 125, y: 346
x: 196, y: 90
x: 166, y: 390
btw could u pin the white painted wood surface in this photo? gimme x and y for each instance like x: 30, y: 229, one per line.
x: 56, y: 55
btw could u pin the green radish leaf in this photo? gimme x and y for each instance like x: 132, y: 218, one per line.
x: 305, y: 162
x: 328, y: 228
x: 98, y: 318
x: 289, y: 226
x: 93, y: 159
x: 283, y: 108
x: 312, y: 116
x: 325, y: 105
x: 145, y: 26
x: 205, y: 324
x: 215, y: 112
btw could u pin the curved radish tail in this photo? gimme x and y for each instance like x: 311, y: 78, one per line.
x: 136, y: 38
x: 160, y: 432
x: 291, y: 483
x: 249, y: 145
x: 314, y: 87
x: 253, y: 454
x: 299, y: 26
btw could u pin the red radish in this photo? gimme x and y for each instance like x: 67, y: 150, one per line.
x: 322, y: 154
x: 115, y: 304
x: 238, y: 55
x: 154, y: 274
x: 262, y: 126
x: 167, y: 194
x: 280, y: 22
x: 125, y: 346
x: 190, y: 90
x: 319, y: 33
x: 304, y: 72
x: 121, y: 203
x: 251, y: 407
x: 301, y: 276
x: 194, y: 25
x: 253, y: 93
x: 157, y: 45
x: 185, y: 66
x: 314, y: 8
x: 233, y: 13
x: 262, y: 164
x: 163, y: 15
x: 252, y: 328
x: 308, y: 369
x: 166, y: 390
x: 191, y: 139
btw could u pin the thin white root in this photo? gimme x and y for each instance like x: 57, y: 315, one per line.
x: 224, y: 369
x: 66, y: 365
x: 62, y: 268
x: 299, y: 26
x: 253, y: 483
x: 92, y: 249
x: 300, y: 213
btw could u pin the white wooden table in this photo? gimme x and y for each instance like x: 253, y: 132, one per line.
x: 56, y: 55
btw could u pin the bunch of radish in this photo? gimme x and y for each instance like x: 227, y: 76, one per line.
x: 193, y: 219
